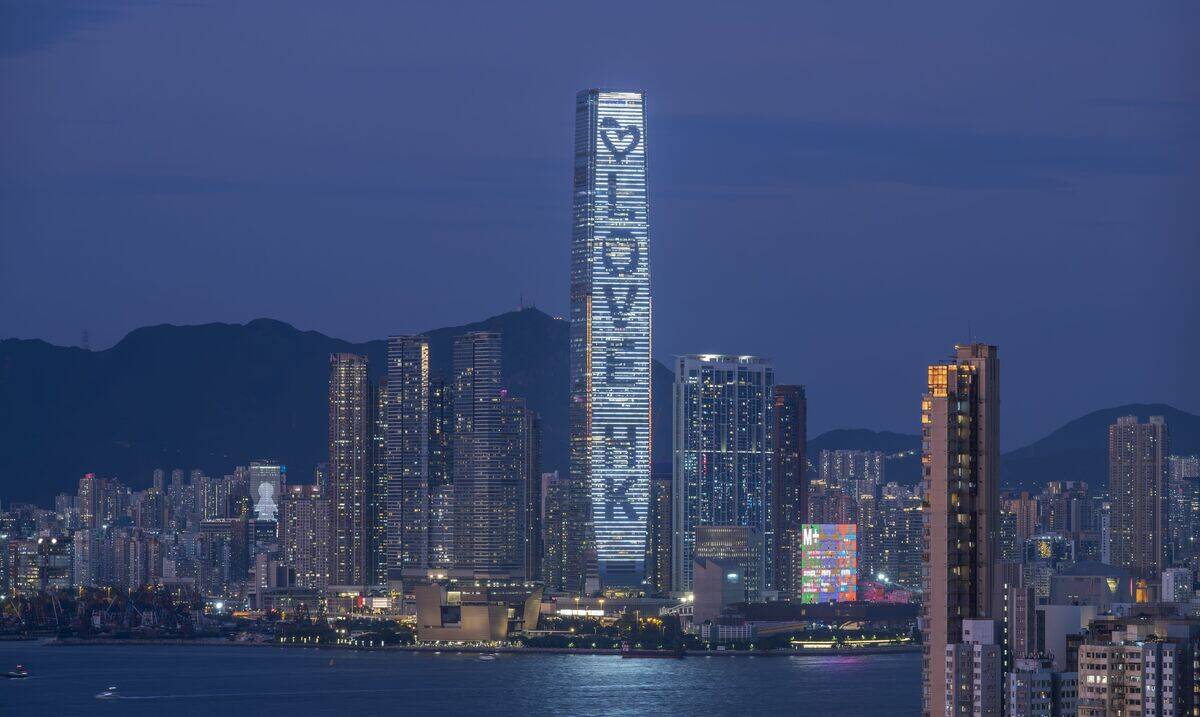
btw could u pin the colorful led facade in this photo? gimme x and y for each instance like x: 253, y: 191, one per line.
x: 829, y: 563
x: 610, y: 331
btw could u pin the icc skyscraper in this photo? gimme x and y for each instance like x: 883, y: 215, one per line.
x: 610, y: 332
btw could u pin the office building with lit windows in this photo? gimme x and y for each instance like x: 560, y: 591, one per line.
x: 722, y: 454
x: 349, y: 467
x: 407, y: 551
x: 522, y: 435
x: 610, y: 334
x: 736, y: 544
x: 489, y: 504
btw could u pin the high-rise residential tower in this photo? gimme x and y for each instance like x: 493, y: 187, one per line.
x: 960, y: 462
x: 610, y: 333
x: 441, y: 472
x: 304, y: 534
x: 789, y: 479
x: 899, y: 517
x: 659, y: 543
x: 379, y: 483
x: 488, y: 506
x: 556, y: 529
x: 88, y: 500
x: 852, y: 471
x: 407, y: 445
x: 349, y: 468
x: 522, y: 429
x: 1183, y: 506
x: 723, y: 458
x: 1137, y: 476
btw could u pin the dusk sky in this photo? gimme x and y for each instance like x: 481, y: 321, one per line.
x: 848, y: 189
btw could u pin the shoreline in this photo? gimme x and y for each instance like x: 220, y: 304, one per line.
x: 471, y: 649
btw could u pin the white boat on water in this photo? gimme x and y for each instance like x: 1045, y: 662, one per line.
x: 109, y: 694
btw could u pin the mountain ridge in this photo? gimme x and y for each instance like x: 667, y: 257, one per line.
x: 216, y: 395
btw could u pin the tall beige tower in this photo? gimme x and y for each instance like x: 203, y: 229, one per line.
x: 1137, y: 474
x: 960, y: 430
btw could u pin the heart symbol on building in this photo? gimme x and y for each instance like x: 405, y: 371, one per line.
x: 633, y: 133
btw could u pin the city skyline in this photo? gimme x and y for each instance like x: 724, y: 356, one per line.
x: 852, y: 216
x: 1028, y: 605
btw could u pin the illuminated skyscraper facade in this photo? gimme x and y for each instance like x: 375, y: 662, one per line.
x: 610, y: 333
x: 379, y: 483
x: 489, y: 507
x: 266, y: 487
x: 407, y: 444
x: 441, y: 472
x: 723, y: 458
x: 349, y: 467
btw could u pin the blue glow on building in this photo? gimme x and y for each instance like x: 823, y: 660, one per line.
x: 610, y: 328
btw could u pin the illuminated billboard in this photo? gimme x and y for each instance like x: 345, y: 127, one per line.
x: 829, y: 562
x: 266, y: 484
